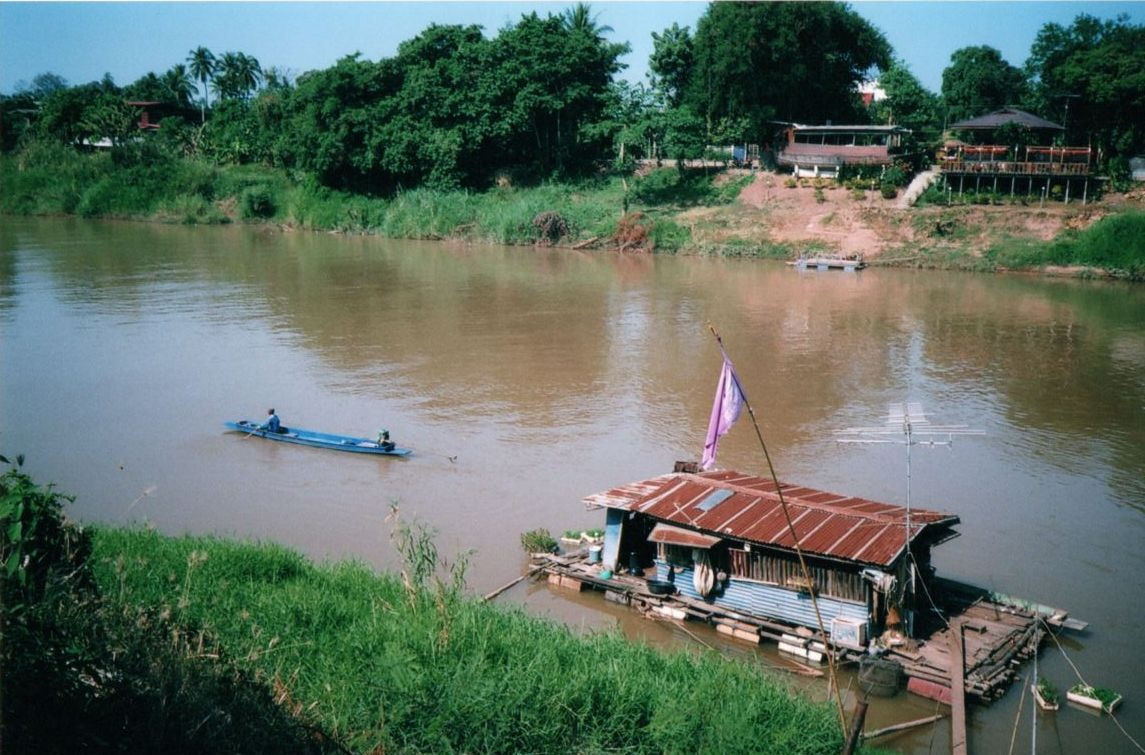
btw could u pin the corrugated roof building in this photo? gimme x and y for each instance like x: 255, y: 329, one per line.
x: 730, y: 538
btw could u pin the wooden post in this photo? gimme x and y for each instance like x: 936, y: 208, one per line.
x: 856, y: 727
x: 957, y: 691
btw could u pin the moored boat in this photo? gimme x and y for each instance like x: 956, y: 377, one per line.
x: 316, y: 439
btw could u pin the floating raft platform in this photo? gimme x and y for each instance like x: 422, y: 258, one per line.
x: 996, y: 636
x: 828, y: 263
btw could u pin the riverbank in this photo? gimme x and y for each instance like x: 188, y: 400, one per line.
x: 703, y: 211
x: 125, y: 635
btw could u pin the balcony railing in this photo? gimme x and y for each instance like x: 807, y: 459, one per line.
x: 1013, y: 167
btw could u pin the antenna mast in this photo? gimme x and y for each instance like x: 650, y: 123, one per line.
x: 909, y: 421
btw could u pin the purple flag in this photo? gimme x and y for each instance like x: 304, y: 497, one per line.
x: 725, y: 411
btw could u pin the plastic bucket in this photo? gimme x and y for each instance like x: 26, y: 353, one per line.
x: 594, y: 554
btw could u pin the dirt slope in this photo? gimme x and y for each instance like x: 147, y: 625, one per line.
x: 840, y: 221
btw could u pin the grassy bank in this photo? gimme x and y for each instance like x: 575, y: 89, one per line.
x: 417, y: 668
x: 664, y: 211
x: 130, y: 641
x: 144, y: 183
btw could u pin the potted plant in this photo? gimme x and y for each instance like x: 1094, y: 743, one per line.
x: 1045, y: 693
x: 571, y: 537
x: 1093, y: 697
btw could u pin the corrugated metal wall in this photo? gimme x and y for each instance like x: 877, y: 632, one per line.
x: 770, y: 601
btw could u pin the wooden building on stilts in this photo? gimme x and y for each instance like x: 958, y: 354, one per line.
x: 1036, y: 171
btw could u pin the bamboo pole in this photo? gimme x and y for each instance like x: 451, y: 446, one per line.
x: 903, y: 726
x: 509, y: 584
x: 798, y: 550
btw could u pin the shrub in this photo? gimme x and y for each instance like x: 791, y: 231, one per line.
x: 888, y: 190
x: 256, y: 202
x: 550, y: 226
x: 538, y: 541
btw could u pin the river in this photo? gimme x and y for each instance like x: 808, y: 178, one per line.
x: 526, y: 379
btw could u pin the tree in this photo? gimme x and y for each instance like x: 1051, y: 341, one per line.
x: 45, y: 84
x: 178, y: 85
x: 789, y: 61
x: 17, y: 113
x: 1091, y: 77
x: 237, y: 76
x: 979, y: 81
x: 580, y: 19
x: 551, y: 82
x: 907, y: 102
x: 202, y: 63
x: 671, y: 62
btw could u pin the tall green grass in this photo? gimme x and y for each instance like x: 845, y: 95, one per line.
x: 1115, y: 243
x: 413, y: 666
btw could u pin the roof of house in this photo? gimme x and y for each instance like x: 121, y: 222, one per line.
x: 1006, y: 115
x: 857, y: 128
x: 743, y: 507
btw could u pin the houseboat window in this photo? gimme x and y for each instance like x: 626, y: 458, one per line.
x: 785, y: 571
x: 675, y: 555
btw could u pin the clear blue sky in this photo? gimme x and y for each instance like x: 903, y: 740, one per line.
x: 82, y: 41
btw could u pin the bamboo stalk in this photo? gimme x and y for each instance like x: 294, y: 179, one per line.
x: 903, y: 726
x: 509, y: 584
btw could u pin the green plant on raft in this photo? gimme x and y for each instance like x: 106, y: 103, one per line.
x: 538, y: 541
x: 1047, y: 690
x: 1105, y: 696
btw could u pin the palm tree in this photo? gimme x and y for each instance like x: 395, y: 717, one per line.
x: 202, y: 63
x: 178, y: 82
x: 248, y: 75
x: 581, y: 18
x: 237, y: 75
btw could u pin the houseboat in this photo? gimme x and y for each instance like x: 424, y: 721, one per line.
x: 729, y: 549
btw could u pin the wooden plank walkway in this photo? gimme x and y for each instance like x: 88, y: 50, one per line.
x: 957, y: 696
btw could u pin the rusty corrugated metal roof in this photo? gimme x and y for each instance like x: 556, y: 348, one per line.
x: 745, y: 507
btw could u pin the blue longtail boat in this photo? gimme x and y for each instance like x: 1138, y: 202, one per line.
x: 316, y: 439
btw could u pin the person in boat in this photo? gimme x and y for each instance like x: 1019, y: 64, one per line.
x: 384, y: 440
x: 272, y: 424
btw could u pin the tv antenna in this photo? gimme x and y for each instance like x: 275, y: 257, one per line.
x: 906, y: 424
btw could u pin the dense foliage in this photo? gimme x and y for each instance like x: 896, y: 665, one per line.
x: 1091, y: 76
x: 85, y: 673
x: 787, y: 61
x: 979, y: 81
x: 458, y: 110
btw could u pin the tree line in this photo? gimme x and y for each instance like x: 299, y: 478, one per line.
x: 541, y: 100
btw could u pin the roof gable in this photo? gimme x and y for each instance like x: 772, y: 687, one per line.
x: 1002, y: 117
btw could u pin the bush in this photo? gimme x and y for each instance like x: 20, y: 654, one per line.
x: 538, y: 541
x: 550, y: 226
x: 256, y: 202
x: 888, y: 190
x: 84, y: 674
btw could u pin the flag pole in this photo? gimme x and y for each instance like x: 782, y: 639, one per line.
x: 795, y: 538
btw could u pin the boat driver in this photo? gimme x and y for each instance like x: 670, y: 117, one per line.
x: 272, y: 423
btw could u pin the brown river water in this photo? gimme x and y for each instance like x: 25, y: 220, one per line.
x: 525, y: 379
